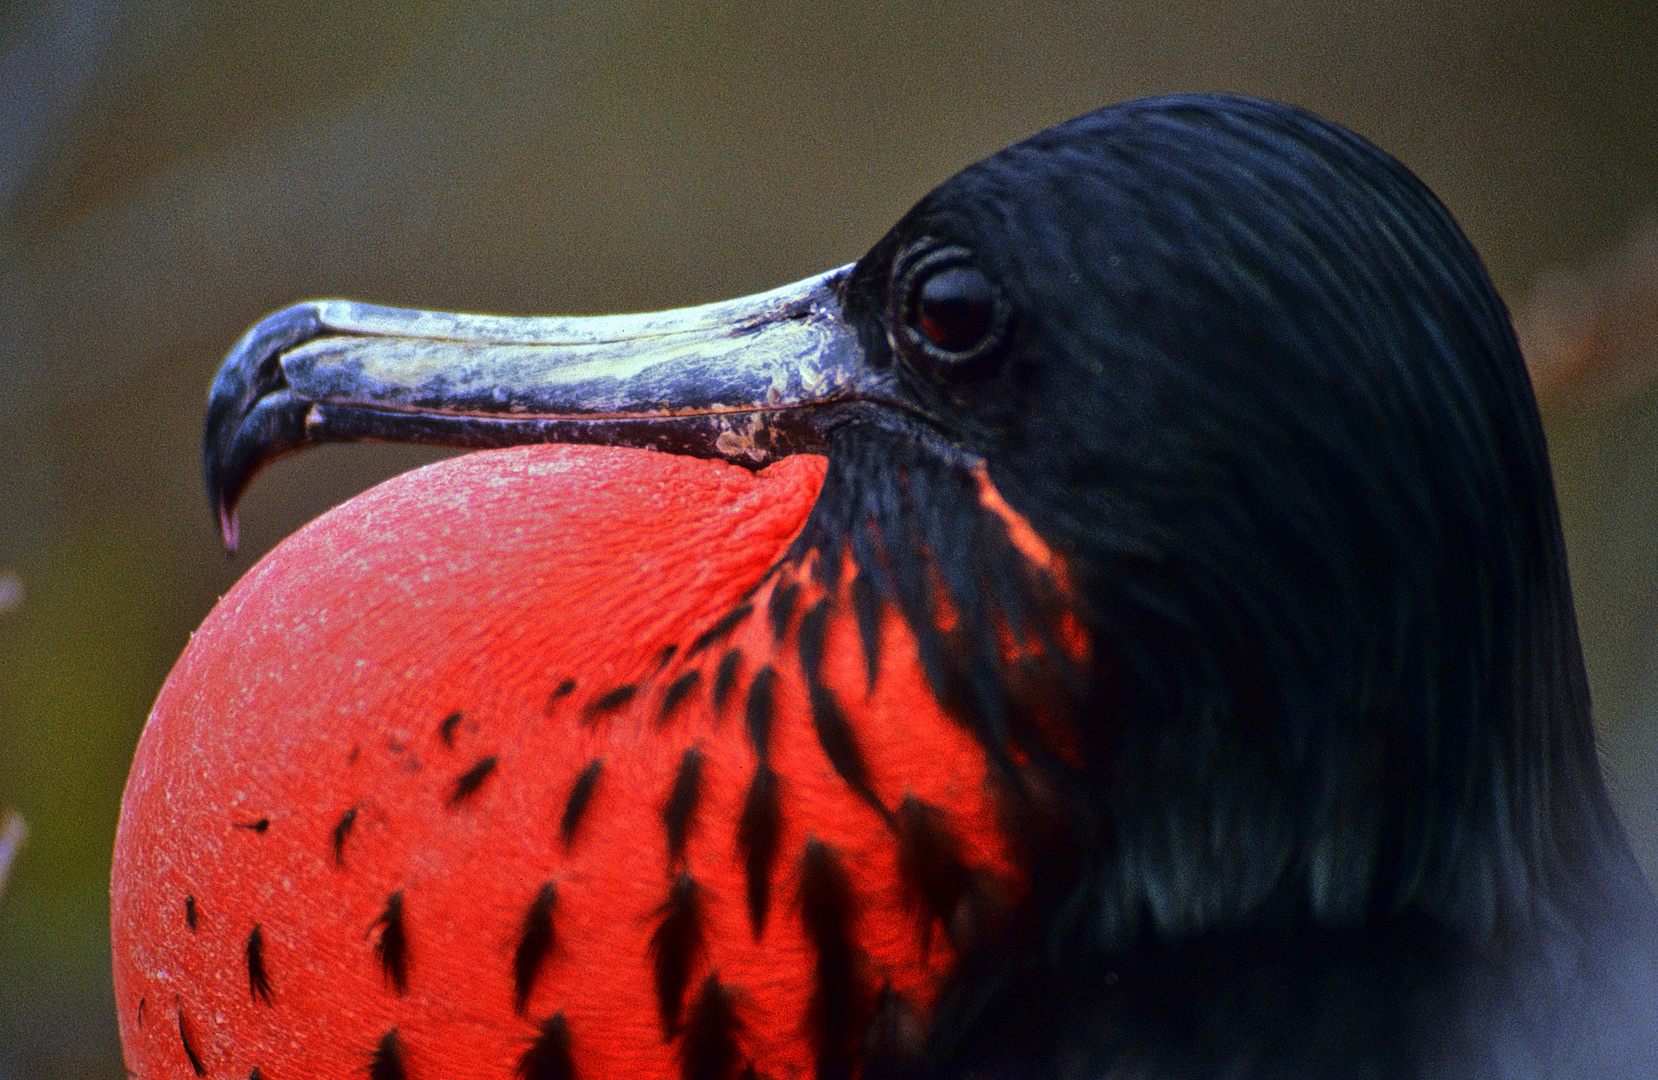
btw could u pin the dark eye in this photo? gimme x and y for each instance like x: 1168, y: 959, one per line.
x: 955, y: 308
x: 948, y: 309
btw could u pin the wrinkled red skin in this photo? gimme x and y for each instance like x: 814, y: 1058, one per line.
x: 320, y: 684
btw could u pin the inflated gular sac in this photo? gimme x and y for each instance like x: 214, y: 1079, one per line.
x: 391, y: 813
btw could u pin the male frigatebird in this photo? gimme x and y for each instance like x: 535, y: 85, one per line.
x: 1117, y: 628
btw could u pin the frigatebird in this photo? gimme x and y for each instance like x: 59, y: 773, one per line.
x: 1118, y: 627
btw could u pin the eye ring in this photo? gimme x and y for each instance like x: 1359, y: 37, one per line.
x: 947, y: 309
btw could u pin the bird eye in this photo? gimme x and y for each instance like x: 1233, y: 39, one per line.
x: 954, y: 308
x: 950, y: 312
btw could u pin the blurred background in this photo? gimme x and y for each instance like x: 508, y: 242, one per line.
x: 172, y: 170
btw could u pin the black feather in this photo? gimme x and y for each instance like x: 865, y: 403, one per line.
x: 467, y: 783
x: 814, y: 632
x: 866, y: 605
x: 681, y: 807
x: 725, y: 677
x: 675, y: 948
x: 259, y: 981
x: 678, y: 690
x: 446, y: 730
x: 930, y: 861
x: 581, y: 794
x: 780, y: 609
x: 834, y: 731
x: 190, y: 912
x: 759, y: 835
x: 838, y: 1006
x: 611, y: 700
x: 536, y: 941
x: 549, y: 1057
x: 342, y: 832
x: 727, y: 623
x: 759, y: 711
x: 392, y: 948
x: 387, y: 1062
x: 189, y: 1043
x: 840, y: 745
x: 712, y: 1047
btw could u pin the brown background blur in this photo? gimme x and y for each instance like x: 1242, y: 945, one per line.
x: 172, y: 170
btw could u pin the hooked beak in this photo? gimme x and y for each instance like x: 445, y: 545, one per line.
x: 748, y: 380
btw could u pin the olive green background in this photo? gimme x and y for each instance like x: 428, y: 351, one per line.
x: 170, y: 171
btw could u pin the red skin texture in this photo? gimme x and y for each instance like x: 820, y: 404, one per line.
x: 480, y: 584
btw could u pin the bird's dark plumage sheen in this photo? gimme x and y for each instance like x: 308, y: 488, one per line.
x: 1335, y: 806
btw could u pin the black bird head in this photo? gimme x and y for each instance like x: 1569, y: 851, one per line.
x: 1325, y: 765
x: 1246, y: 375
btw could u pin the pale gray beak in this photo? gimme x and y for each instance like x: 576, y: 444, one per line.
x: 749, y: 380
